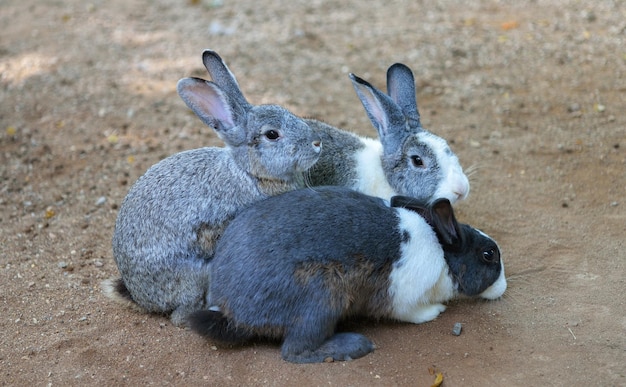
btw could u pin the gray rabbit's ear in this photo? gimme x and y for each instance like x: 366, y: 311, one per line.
x: 401, y: 89
x: 214, y: 108
x: 384, y: 113
x: 222, y: 76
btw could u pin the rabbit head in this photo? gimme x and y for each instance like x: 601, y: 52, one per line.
x: 416, y: 162
x: 267, y: 141
x: 473, y: 258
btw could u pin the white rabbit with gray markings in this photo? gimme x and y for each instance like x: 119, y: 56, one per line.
x: 172, y: 216
x: 291, y: 267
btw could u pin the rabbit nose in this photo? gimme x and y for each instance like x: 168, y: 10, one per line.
x: 461, y: 191
x: 317, y: 144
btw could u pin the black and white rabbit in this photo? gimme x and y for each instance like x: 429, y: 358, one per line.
x: 292, y: 266
x: 405, y: 160
x: 172, y: 216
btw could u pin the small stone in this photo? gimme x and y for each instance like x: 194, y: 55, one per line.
x: 62, y: 265
x: 101, y: 200
x: 456, y: 330
x: 574, y: 107
x: 98, y: 263
x: 614, y: 204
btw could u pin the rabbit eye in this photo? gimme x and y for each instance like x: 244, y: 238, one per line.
x: 272, y: 135
x: 417, y: 161
x: 490, y: 255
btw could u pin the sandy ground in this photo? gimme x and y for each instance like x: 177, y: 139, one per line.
x: 531, y: 96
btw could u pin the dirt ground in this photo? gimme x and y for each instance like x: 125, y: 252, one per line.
x: 531, y: 96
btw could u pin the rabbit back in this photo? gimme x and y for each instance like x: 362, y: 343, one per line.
x: 333, y: 261
x: 348, y: 261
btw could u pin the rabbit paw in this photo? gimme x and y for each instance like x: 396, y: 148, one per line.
x: 339, y: 347
x: 422, y: 313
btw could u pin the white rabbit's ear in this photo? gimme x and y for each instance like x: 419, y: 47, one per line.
x: 383, y: 112
x: 401, y: 89
x: 214, y: 108
x: 222, y: 76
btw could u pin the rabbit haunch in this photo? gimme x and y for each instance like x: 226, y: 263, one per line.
x: 171, y: 218
x: 340, y: 253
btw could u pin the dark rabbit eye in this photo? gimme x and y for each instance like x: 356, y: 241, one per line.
x: 490, y: 255
x: 272, y: 134
x: 417, y: 161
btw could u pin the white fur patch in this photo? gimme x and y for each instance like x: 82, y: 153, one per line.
x: 371, y: 179
x: 419, y: 281
x: 497, y: 289
x: 455, y: 184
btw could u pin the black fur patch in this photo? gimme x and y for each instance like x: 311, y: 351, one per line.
x: 216, y: 326
x: 121, y: 289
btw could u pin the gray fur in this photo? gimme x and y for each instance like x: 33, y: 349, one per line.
x: 294, y: 265
x: 168, y: 223
x: 336, y: 165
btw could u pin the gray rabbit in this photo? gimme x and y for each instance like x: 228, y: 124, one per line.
x: 331, y: 253
x: 169, y: 222
x: 406, y: 160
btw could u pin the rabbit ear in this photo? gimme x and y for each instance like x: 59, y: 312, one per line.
x: 409, y: 203
x: 439, y: 215
x: 401, y: 89
x: 383, y: 112
x: 222, y: 76
x: 214, y: 108
x: 444, y: 222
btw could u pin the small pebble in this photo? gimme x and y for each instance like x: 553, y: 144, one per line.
x: 456, y: 330
x: 62, y: 264
x: 574, y: 107
x: 614, y: 204
x: 101, y: 200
